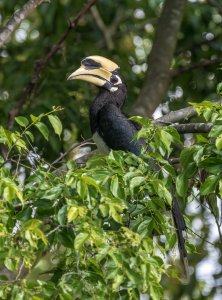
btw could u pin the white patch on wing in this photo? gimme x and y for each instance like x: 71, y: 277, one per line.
x: 101, y: 145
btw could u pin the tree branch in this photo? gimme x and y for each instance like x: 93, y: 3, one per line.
x: 40, y: 64
x: 158, y: 76
x: 16, y: 19
x: 178, y: 115
x: 107, y: 31
x: 193, y: 127
x: 190, y: 67
x: 83, y: 143
x: 216, y: 4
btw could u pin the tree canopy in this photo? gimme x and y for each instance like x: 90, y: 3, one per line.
x: 101, y: 228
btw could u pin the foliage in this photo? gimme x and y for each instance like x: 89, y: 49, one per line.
x: 92, y: 231
x: 100, y: 225
x: 200, y: 37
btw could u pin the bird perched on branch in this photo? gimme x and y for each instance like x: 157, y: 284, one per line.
x: 111, y: 128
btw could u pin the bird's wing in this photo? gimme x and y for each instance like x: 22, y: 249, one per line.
x: 117, y: 131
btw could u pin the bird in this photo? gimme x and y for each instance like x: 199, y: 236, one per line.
x: 112, y: 129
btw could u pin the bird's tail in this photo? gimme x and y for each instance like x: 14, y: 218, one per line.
x: 180, y: 227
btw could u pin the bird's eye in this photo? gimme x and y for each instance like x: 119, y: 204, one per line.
x: 115, y: 79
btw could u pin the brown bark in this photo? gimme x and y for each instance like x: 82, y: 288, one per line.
x: 158, y: 75
x: 16, y: 19
x: 41, y: 63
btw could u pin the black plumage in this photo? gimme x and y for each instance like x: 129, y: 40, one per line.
x: 111, y: 124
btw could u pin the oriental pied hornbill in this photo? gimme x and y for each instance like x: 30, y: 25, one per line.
x: 111, y: 129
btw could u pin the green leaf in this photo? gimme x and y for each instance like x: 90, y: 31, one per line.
x: 10, y: 264
x: 43, y: 129
x: 61, y: 216
x: 115, y: 214
x: 80, y: 239
x: 41, y: 235
x: 30, y: 135
x: 174, y: 133
x: 186, y: 156
x: 135, y: 182
x: 22, y: 121
x: 145, y: 227
x: 10, y: 189
x: 216, y: 130
x: 90, y: 181
x: 164, y: 193
x: 171, y: 240
x: 190, y: 170
x: 220, y: 188
x: 117, y: 281
x: 56, y: 124
x: 32, y: 224
x: 218, y: 142
x: 156, y: 291
x: 34, y: 118
x: 212, y: 164
x: 181, y: 185
x: 82, y: 189
x: 72, y: 214
x: 166, y: 138
x: 209, y: 185
x: 66, y: 237
x: 219, y: 88
x: 207, y: 114
x: 114, y: 186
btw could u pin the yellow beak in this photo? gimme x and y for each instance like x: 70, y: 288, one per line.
x: 96, y: 76
x: 95, y: 69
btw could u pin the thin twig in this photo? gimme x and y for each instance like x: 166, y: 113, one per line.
x: 107, y: 31
x: 86, y: 142
x: 17, y: 18
x: 41, y: 63
x: 19, y: 206
x: 21, y: 268
x: 216, y: 220
x: 54, y: 230
x: 203, y: 63
x: 202, y: 238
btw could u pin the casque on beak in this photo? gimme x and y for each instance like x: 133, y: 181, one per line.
x: 95, y: 69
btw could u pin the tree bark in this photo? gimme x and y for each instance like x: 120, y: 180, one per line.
x: 158, y: 75
x: 16, y: 19
x: 41, y: 63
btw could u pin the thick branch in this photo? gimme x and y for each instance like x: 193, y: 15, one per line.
x: 193, y: 127
x: 158, y: 76
x: 17, y: 18
x: 178, y: 115
x: 40, y: 64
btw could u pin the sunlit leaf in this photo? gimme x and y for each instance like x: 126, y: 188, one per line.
x: 43, y: 129
x: 22, y: 121
x: 56, y: 124
x: 80, y: 239
x: 209, y: 185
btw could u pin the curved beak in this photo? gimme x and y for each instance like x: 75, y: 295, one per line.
x: 96, y: 76
x: 95, y: 69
